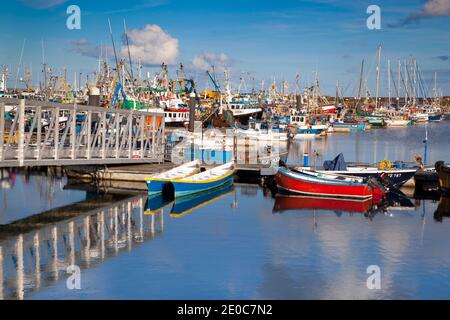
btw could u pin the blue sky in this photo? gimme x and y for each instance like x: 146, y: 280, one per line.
x: 270, y: 39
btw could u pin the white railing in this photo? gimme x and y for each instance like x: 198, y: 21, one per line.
x: 36, y: 133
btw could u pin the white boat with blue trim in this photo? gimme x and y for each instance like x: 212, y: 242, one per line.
x: 206, y: 180
x: 156, y: 183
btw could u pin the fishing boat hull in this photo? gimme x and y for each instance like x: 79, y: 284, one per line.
x: 377, y: 123
x: 298, y: 183
x: 185, y: 188
x: 398, y: 123
x: 434, y: 117
x: 309, y: 131
x: 351, y: 126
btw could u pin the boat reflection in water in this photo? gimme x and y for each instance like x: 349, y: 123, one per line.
x: 443, y: 209
x: 156, y: 203
x: 35, y: 252
x: 187, y: 204
x: 289, y: 202
x: 394, y: 201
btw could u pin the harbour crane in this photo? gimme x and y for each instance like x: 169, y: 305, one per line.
x: 215, y: 83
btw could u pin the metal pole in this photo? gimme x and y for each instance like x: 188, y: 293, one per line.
x: 89, y: 128
x: 56, y: 137
x: 2, y: 129
x: 21, y: 151
x: 39, y: 131
x: 73, y: 130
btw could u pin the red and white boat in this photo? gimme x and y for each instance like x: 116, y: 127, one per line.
x: 319, y: 184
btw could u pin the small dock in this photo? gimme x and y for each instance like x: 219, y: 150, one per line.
x: 133, y: 176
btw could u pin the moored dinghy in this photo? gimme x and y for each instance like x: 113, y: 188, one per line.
x: 327, y: 185
x: 156, y: 183
x: 208, y: 179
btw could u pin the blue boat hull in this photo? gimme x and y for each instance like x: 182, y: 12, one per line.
x: 435, y: 117
x: 352, y: 126
x: 155, y: 187
x: 187, y: 188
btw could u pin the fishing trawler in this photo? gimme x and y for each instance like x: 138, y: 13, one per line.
x: 243, y: 108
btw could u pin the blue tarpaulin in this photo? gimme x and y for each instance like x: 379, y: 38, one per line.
x: 338, y: 164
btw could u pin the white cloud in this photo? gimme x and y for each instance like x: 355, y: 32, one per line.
x: 206, y: 60
x: 152, y: 45
x: 42, y: 4
x: 86, y: 48
x: 431, y: 8
x: 436, y: 8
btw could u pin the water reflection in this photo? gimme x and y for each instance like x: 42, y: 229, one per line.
x: 443, y: 209
x: 185, y: 205
x: 34, y: 259
x: 287, y: 202
x: 375, y: 145
x: 40, y: 190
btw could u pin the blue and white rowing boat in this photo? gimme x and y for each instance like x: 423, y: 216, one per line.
x: 157, y: 182
x: 206, y: 180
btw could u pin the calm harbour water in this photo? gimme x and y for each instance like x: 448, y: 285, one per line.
x: 241, y: 243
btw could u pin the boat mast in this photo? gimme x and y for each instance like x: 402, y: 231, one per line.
x: 128, y: 46
x: 389, y: 82
x: 378, y: 77
x: 415, y: 81
x: 20, y: 63
x: 398, y: 83
x: 360, y: 79
x: 406, y: 82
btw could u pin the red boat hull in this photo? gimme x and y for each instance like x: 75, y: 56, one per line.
x: 283, y: 203
x: 322, y: 189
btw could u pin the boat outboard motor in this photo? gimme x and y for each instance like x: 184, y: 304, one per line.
x: 385, y: 180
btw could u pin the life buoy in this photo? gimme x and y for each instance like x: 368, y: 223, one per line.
x: 385, y: 165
